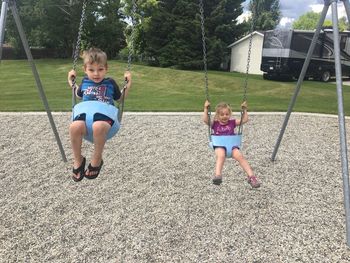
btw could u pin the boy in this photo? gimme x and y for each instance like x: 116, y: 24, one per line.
x: 94, y: 87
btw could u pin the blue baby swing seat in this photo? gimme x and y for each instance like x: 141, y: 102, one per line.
x: 226, y: 141
x: 90, y: 108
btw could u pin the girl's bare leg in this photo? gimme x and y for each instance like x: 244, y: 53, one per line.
x: 220, y: 160
x: 238, y: 156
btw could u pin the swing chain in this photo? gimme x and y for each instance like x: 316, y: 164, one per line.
x: 131, y: 52
x: 201, y: 10
x: 132, y: 36
x: 245, y: 86
x: 77, y: 49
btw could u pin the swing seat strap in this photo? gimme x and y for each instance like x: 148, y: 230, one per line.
x: 226, y: 141
x: 91, y: 108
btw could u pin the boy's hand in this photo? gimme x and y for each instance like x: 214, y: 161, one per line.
x: 127, y: 76
x: 71, y: 76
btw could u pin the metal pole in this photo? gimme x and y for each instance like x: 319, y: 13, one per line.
x: 347, y: 7
x: 36, y: 76
x: 341, y: 118
x: 3, y: 14
x: 301, y: 78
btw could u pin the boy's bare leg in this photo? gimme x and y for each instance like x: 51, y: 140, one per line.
x: 100, y: 130
x: 77, y: 130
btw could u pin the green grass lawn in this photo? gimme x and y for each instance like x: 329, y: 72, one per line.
x: 163, y: 89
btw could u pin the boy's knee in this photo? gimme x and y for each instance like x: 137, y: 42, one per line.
x: 77, y: 127
x: 100, y: 128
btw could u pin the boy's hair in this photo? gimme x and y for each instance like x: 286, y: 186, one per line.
x: 94, y: 55
x: 221, y: 106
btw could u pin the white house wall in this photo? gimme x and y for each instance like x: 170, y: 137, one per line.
x: 239, y: 55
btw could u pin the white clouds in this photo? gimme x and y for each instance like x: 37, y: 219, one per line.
x: 286, y: 22
x: 291, y: 10
x: 244, y: 17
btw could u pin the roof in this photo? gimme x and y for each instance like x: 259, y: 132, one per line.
x: 244, y: 38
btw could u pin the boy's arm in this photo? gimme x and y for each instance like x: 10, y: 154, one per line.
x: 127, y: 76
x: 71, y: 76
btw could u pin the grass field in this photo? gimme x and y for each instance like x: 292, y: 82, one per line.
x: 163, y: 89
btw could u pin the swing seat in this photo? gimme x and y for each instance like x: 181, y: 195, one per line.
x: 90, y: 108
x: 227, y: 142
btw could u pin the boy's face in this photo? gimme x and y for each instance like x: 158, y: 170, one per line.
x: 95, y: 72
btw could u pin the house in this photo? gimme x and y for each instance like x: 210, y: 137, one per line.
x: 239, y: 54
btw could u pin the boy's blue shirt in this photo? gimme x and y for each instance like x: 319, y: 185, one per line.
x: 106, y: 91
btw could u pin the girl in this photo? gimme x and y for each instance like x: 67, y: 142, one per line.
x: 224, y: 124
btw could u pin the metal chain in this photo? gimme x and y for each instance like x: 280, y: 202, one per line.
x: 245, y: 85
x: 131, y: 52
x: 77, y: 49
x: 201, y: 10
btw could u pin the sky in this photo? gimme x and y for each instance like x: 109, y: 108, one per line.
x: 291, y: 10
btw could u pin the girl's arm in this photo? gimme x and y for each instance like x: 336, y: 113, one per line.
x: 205, y: 117
x: 244, y: 117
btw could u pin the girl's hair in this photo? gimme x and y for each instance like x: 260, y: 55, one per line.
x: 94, y: 55
x: 220, y: 107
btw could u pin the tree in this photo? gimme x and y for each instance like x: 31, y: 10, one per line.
x: 54, y: 24
x: 309, y: 21
x: 266, y: 14
x: 105, y: 27
x: 173, y: 33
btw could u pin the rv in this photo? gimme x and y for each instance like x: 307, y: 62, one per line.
x: 284, y: 53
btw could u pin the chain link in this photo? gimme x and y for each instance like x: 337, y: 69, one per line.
x: 201, y: 11
x: 77, y: 50
x: 131, y: 52
x: 245, y: 85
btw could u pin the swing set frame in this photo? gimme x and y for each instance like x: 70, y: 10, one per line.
x: 11, y: 4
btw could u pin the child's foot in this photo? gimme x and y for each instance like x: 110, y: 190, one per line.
x: 78, y: 173
x: 253, y: 181
x: 217, y: 180
x: 92, y: 172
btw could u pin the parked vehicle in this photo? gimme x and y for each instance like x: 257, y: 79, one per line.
x: 284, y: 53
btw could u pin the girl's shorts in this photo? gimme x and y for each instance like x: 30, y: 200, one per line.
x: 234, y: 147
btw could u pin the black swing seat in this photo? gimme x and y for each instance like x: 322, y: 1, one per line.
x: 90, y: 108
x: 226, y: 141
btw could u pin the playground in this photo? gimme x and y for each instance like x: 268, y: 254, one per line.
x: 154, y: 200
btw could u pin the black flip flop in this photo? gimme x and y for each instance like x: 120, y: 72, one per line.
x: 93, y: 169
x: 80, y: 170
x: 217, y: 180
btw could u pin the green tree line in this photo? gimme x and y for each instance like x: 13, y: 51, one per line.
x: 167, y: 33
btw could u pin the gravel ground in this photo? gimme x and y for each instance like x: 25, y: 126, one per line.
x: 154, y: 201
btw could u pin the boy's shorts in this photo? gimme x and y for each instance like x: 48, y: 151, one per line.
x: 97, y: 117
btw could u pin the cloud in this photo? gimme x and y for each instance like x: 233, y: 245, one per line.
x: 292, y: 10
x: 244, y: 17
x: 286, y: 22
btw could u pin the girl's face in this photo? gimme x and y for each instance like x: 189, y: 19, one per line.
x: 95, y: 72
x: 224, y: 115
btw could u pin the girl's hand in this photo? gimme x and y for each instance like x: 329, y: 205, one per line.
x: 244, y: 105
x: 206, y: 104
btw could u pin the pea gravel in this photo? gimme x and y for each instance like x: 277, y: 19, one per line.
x: 154, y: 200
